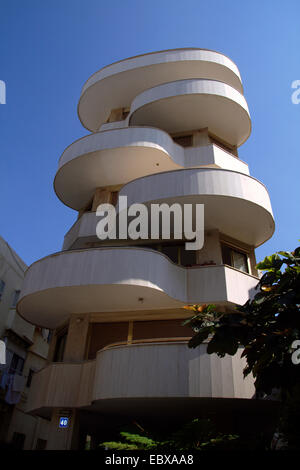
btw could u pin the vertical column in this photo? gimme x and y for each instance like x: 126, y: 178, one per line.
x: 101, y: 196
x: 76, y: 344
x: 211, y: 251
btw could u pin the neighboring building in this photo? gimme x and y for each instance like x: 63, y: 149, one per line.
x: 26, y: 353
x: 165, y: 127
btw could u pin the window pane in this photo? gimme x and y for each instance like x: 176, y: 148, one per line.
x: 2, y: 285
x: 29, y: 378
x: 239, y: 261
x: 18, y: 440
x: 226, y: 255
x: 41, y: 444
x: 60, y: 348
x: 187, y: 257
x: 184, y: 140
x: 16, y: 365
x: 234, y: 258
x: 20, y: 365
x: 171, y: 251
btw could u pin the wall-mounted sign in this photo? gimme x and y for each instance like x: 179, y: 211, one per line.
x: 63, y: 422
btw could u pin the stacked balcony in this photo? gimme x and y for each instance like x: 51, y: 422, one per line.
x: 165, y: 127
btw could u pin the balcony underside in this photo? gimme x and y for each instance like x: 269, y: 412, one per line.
x: 194, y: 104
x: 116, y: 279
x: 116, y: 85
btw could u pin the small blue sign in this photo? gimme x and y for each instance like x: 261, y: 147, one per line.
x: 63, y: 422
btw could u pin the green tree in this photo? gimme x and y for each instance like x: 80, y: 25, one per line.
x: 199, y: 434
x: 268, y: 328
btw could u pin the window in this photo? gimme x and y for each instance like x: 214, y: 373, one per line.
x: 60, y: 347
x: 49, y: 337
x: 16, y: 296
x: 175, y: 252
x: 225, y: 147
x: 18, y: 441
x: 236, y: 259
x: 2, y: 286
x: 184, y: 140
x: 41, y: 444
x: 29, y: 378
x: 16, y: 364
x: 187, y: 257
x: 172, y: 251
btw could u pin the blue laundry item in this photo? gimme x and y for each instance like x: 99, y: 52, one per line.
x: 18, y: 383
x: 4, y: 378
x: 11, y: 397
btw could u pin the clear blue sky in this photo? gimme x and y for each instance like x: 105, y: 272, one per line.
x: 48, y: 49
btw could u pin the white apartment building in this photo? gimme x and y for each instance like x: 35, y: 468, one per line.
x: 26, y: 352
x: 165, y: 127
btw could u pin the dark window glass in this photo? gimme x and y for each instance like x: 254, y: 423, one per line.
x: 18, y: 440
x: 103, y: 334
x: 187, y: 257
x: 60, y: 347
x: 184, y: 140
x: 171, y: 251
x: 226, y: 255
x: 2, y: 286
x: 41, y: 444
x: 235, y: 258
x: 16, y: 365
x: 49, y: 337
x: 29, y: 378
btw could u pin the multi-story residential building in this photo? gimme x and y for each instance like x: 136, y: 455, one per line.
x: 165, y: 128
x: 26, y: 352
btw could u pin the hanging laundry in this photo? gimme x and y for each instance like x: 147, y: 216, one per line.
x: 18, y: 383
x: 11, y: 396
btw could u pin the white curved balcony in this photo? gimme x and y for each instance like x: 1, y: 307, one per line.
x: 116, y: 85
x: 116, y: 157
x: 114, y: 279
x: 112, y: 158
x: 169, y: 370
x: 236, y: 204
x: 152, y: 370
x: 185, y: 105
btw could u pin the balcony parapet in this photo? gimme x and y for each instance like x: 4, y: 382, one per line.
x: 116, y: 85
x: 115, y: 157
x: 162, y: 368
x: 114, y: 279
x: 236, y: 204
x: 194, y: 104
